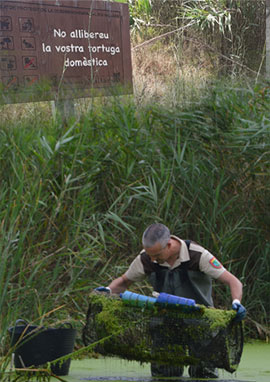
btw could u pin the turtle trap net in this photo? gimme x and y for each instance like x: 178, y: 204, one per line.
x: 166, y: 334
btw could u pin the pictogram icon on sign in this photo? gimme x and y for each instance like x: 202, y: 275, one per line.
x: 28, y: 43
x: 6, y: 43
x: 10, y: 82
x: 30, y: 80
x: 5, y: 23
x: 29, y: 63
x: 26, y: 24
x: 8, y: 63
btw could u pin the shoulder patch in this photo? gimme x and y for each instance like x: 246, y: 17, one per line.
x: 215, y: 263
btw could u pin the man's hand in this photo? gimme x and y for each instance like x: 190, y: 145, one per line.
x: 240, y: 310
x: 103, y: 289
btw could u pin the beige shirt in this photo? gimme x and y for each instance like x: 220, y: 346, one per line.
x: 208, y: 263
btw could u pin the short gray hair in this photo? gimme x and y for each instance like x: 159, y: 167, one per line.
x: 156, y: 233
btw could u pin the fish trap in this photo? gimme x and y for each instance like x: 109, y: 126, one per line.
x: 163, y: 334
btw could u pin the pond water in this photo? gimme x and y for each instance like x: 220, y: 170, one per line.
x: 254, y: 366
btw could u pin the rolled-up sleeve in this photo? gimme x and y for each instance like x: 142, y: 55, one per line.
x: 210, y: 265
x: 135, y: 271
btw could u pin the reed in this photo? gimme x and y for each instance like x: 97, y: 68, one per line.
x: 76, y: 199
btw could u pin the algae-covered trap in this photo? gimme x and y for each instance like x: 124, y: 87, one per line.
x: 164, y: 335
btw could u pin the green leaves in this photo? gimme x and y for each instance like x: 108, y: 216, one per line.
x: 75, y: 202
x: 207, y: 14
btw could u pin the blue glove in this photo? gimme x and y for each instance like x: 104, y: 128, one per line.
x: 103, y: 289
x: 240, y: 310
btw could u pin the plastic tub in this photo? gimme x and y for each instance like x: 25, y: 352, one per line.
x: 35, y: 346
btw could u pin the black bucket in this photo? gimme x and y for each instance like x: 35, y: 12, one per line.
x: 35, y: 346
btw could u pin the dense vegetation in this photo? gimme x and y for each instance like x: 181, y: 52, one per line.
x: 75, y: 199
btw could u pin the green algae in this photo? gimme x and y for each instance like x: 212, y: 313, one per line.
x: 109, y: 315
x: 254, y: 366
x: 219, y: 318
x: 161, y: 334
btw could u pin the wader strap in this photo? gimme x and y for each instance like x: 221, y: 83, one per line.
x: 186, y: 279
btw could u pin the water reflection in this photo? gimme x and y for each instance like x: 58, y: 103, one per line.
x: 254, y: 367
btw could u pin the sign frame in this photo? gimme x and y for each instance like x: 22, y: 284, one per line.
x: 63, y: 49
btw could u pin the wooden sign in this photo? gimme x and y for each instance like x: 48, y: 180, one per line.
x: 63, y: 49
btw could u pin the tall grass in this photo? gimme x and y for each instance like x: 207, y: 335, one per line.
x: 76, y: 199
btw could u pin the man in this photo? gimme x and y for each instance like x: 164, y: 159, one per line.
x: 182, y: 268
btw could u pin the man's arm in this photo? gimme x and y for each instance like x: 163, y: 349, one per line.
x: 236, y: 292
x: 235, y: 285
x: 120, y: 284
